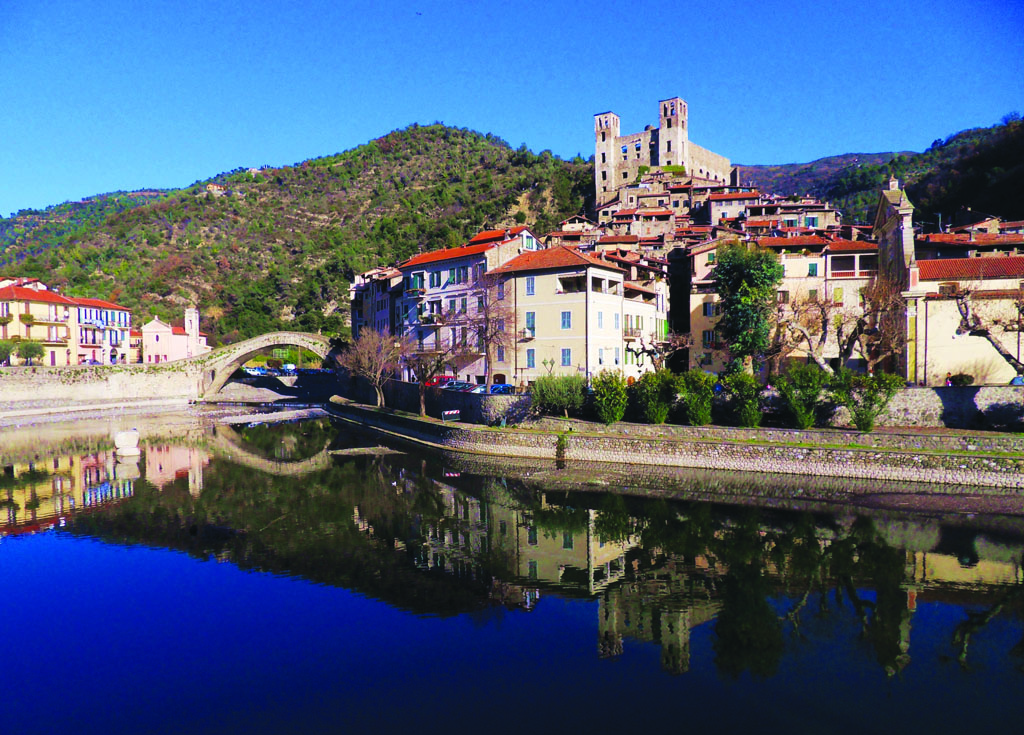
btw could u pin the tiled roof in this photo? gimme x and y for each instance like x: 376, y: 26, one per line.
x: 1010, y: 225
x: 734, y: 195
x: 963, y: 238
x: 435, y: 256
x: 618, y: 238
x: 634, y: 286
x: 99, y: 304
x: 791, y: 242
x: 19, y: 293
x: 552, y: 258
x: 655, y: 212
x: 496, y: 235
x: 851, y: 246
x: 974, y: 269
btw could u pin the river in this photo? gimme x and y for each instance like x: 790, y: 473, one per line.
x: 298, y: 577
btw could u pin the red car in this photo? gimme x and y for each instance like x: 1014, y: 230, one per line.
x: 440, y: 380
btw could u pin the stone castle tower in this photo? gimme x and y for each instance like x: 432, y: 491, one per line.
x: 618, y: 158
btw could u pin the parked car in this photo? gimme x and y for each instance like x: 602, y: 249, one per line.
x: 457, y: 385
x: 478, y: 389
x: 439, y: 380
x: 1017, y: 380
x: 502, y: 389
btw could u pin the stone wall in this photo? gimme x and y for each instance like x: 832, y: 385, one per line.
x: 45, y: 387
x: 998, y: 407
x: 974, y: 467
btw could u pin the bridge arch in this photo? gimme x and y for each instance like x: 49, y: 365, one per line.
x: 227, y: 442
x: 219, y: 365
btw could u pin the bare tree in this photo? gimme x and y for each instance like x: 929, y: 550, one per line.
x: 492, y: 321
x: 660, y: 351
x: 375, y: 356
x: 432, y: 358
x: 991, y: 315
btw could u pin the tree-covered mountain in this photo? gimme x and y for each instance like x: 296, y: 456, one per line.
x: 981, y: 168
x: 277, y: 248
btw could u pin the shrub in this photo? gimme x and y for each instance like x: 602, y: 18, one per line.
x: 865, y: 396
x: 801, y: 390
x: 610, y: 396
x: 961, y: 379
x: 30, y: 350
x: 6, y: 349
x: 558, y: 393
x: 698, y: 395
x: 656, y: 393
x: 745, y: 393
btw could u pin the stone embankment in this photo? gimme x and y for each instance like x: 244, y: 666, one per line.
x: 982, y: 460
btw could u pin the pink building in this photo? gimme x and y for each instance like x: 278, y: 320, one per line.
x: 162, y: 342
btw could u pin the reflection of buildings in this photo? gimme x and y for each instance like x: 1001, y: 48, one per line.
x: 166, y: 463
x: 39, y: 495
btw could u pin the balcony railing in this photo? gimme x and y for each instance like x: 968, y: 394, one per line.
x: 632, y: 333
x: 527, y: 333
x: 416, y: 292
x: 854, y: 274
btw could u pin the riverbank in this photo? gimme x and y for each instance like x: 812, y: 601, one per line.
x: 938, y: 459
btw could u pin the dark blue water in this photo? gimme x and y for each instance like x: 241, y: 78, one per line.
x: 145, y: 617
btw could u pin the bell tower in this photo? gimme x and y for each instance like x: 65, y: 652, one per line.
x: 673, y: 138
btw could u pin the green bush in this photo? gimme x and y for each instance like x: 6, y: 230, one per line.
x: 745, y: 392
x: 553, y: 394
x: 801, y: 390
x: 865, y: 396
x: 6, y: 350
x: 656, y: 393
x: 610, y: 396
x: 698, y: 396
x: 29, y: 350
x: 961, y: 379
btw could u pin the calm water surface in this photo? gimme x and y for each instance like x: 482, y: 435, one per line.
x: 249, y: 580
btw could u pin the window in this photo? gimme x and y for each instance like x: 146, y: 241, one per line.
x: 463, y: 274
x: 531, y: 358
x: 478, y: 271
x: 531, y: 536
x: 812, y: 294
x: 709, y: 310
x: 625, y: 174
x: 531, y: 323
x: 604, y: 176
x: 616, y: 355
x: 500, y: 354
x: 616, y: 322
x: 811, y: 221
x: 566, y: 320
x: 711, y: 257
x: 783, y: 297
x: 451, y: 305
x: 463, y: 304
x: 600, y: 320
x: 600, y: 355
x: 837, y: 295
x: 812, y: 269
x: 603, y: 156
x: 567, y: 540
x: 707, y: 338
x: 479, y: 303
x: 451, y: 275
x: 531, y: 285
x: 501, y: 289
x: 435, y: 279
x: 532, y: 568
x: 669, y: 147
x: 566, y: 357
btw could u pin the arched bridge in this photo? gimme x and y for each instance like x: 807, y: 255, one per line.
x: 226, y: 442
x: 218, y: 366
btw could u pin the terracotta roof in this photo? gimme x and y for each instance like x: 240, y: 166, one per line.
x: 734, y: 195
x: 625, y: 213
x: 791, y: 242
x: 496, y: 235
x: 19, y: 293
x: 557, y: 257
x: 985, y: 238
x: 618, y: 238
x: 435, y: 256
x: 655, y: 212
x: 851, y: 246
x: 1008, y: 225
x: 975, y: 269
x: 100, y: 304
x: 634, y: 286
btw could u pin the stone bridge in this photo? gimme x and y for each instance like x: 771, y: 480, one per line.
x: 217, y: 367
x: 227, y: 443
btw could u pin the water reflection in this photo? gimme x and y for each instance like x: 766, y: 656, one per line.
x: 429, y: 536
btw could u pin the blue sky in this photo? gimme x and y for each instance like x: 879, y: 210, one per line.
x: 121, y: 94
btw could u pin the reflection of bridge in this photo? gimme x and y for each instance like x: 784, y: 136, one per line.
x: 218, y: 366
x: 226, y: 442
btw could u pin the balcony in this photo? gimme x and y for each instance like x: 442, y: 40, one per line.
x: 631, y: 333
x: 854, y: 274
x: 432, y: 319
x: 527, y: 334
x: 415, y: 292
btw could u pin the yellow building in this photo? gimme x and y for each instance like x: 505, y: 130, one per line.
x: 32, y: 312
x: 576, y: 314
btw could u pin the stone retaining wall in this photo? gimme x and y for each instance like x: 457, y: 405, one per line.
x: 976, y: 468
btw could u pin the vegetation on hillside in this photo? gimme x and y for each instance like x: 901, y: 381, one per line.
x: 981, y: 168
x: 278, y: 248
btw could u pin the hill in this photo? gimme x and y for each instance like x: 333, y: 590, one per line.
x: 981, y: 168
x: 277, y: 248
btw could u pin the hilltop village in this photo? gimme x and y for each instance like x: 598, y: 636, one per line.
x: 634, y: 286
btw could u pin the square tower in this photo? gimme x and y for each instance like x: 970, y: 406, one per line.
x: 672, y: 134
x: 606, y: 133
